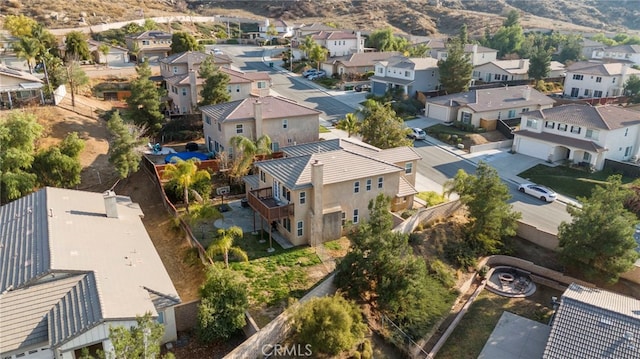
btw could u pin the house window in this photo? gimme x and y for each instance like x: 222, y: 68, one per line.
x: 239, y: 128
x: 511, y: 114
x: 263, y: 177
x: 184, y: 91
x: 598, y: 79
x: 627, y: 151
x: 575, y: 92
x: 219, y: 127
x: 380, y: 70
x: 344, y: 218
x: 303, y: 197
x: 356, y: 187
x: 614, y: 80
x: 262, y: 85
x: 626, y: 132
x: 549, y: 124
x: 586, y: 157
x: 406, y: 74
x: 175, y: 69
x: 408, y: 168
x: 368, y: 184
x: 356, y: 216
x: 465, y: 117
x: 562, y: 127
x: 237, y: 88
x: 505, y: 77
x: 145, y: 42
x: 300, y: 228
x: 228, y: 88
x: 592, y: 134
x: 207, y: 119
x: 587, y: 92
x: 285, y: 123
x: 597, y: 94
x: 532, y: 123
x: 286, y: 223
x: 578, y: 77
x: 526, y: 109
x: 496, y: 77
x: 160, y: 318
x: 575, y: 129
x: 380, y: 182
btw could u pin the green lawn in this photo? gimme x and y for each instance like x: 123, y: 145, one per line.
x: 469, y: 337
x: 570, y: 182
x: 324, y: 129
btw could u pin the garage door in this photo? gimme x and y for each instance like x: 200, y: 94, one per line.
x: 532, y: 148
x: 437, y: 112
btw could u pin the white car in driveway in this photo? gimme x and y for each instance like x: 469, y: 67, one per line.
x: 538, y: 191
x: 417, y: 134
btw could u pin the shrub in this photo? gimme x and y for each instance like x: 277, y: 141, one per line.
x: 462, y: 254
x: 232, y: 41
x: 416, y: 239
x: 367, y: 350
x: 441, y: 272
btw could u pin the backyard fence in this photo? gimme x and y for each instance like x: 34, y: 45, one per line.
x: 491, y: 146
x: 428, y: 215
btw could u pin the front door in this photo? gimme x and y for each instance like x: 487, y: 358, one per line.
x: 276, y: 189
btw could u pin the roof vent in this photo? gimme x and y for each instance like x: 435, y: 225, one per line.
x: 110, y: 204
x: 628, y: 336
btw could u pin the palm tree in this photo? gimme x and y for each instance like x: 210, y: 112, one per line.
x: 104, y: 49
x: 185, y: 173
x: 318, y: 54
x: 306, y: 45
x: 224, y: 245
x: 349, y: 123
x: 28, y: 48
x: 246, y: 150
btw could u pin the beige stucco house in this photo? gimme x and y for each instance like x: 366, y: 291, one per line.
x: 512, y: 70
x: 152, y: 45
x: 319, y: 188
x: 481, y: 108
x: 18, y: 88
x: 284, y: 121
x: 180, y: 75
x: 72, y: 265
x: 356, y: 64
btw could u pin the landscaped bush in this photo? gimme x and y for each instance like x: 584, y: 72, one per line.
x: 175, y: 193
x: 232, y: 41
x: 461, y: 253
x: 442, y: 272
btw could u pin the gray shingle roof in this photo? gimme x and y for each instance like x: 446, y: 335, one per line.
x: 563, y: 140
x: 606, y: 117
x: 272, y: 108
x: 494, y: 98
x: 151, y: 34
x: 363, y: 58
x: 592, y: 323
x: 609, y: 69
x: 391, y: 155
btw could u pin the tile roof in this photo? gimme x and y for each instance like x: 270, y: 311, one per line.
x: 334, y: 35
x: 607, y: 117
x: 362, y: 58
x: 272, y: 108
x: 440, y: 44
x: 629, y: 49
x: 592, y: 323
x: 521, y: 67
x: 390, y: 155
x: 151, y: 34
x: 562, y: 140
x: 608, y: 69
x: 59, y: 232
x: 494, y: 98
x: 405, y: 188
x: 413, y: 63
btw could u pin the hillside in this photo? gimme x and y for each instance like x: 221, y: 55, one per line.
x: 417, y: 17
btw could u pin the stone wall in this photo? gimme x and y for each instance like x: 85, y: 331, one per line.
x: 428, y: 215
x: 537, y: 236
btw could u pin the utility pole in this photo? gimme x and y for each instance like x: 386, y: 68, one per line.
x: 290, y: 56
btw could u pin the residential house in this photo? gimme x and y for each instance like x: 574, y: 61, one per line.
x: 283, y: 28
x: 180, y: 75
x: 511, y: 70
x: 588, y: 47
x: 340, y: 43
x: 481, y: 108
x: 408, y: 74
x: 582, y: 134
x: 18, y: 88
x: 151, y: 45
x: 620, y: 53
x: 302, y: 31
x: 596, y: 80
x: 594, y: 323
x: 356, y: 64
x: 115, y: 56
x: 72, y: 265
x: 283, y: 120
x: 477, y: 54
x: 318, y: 188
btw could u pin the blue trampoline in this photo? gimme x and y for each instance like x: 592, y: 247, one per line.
x: 174, y: 157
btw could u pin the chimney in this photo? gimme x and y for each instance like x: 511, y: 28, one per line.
x: 475, y: 49
x: 257, y: 114
x: 194, y: 90
x: 526, y: 93
x: 317, y: 173
x: 522, y: 63
x: 110, y: 204
x: 359, y: 45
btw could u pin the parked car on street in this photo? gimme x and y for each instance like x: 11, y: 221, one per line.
x: 362, y: 87
x: 309, y: 72
x: 318, y: 75
x: 417, y: 134
x: 538, y: 191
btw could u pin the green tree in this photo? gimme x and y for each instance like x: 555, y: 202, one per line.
x: 122, y: 149
x: 18, y: 133
x: 329, y: 325
x: 381, y: 127
x: 29, y: 49
x: 183, y: 41
x: 245, y: 150
x: 456, y: 70
x: 349, y: 123
x: 463, y: 34
x: 513, y: 19
x: 76, y: 47
x: 599, y: 240
x: 104, y: 49
x: 491, y: 217
x: 140, y: 341
x: 318, y: 54
x: 222, y: 306
x: 144, y: 101
x: 571, y: 48
x: 385, y: 40
x: 604, y: 39
x: 75, y: 77
x: 272, y: 31
x: 214, y: 90
x: 507, y: 40
x: 224, y: 245
x: 632, y: 89
x: 419, y: 50
x: 185, y: 174
x: 539, y: 64
x: 19, y: 25
x: 150, y: 24
x: 306, y: 45
x: 59, y: 166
